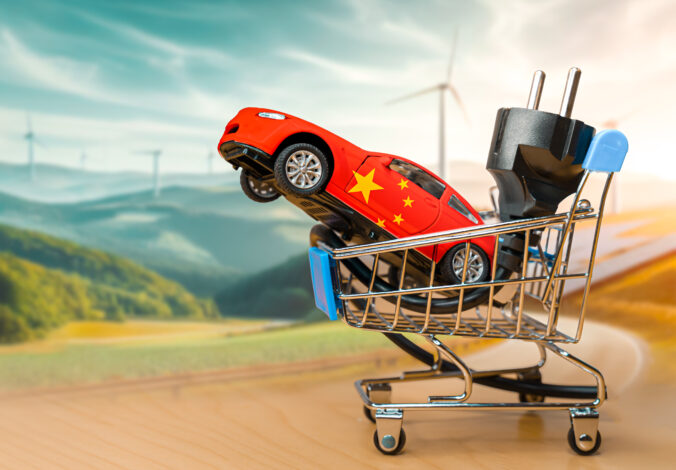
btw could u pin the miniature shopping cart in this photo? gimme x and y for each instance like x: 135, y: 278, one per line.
x: 525, y: 306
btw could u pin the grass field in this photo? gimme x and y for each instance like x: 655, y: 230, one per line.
x: 141, y: 330
x: 61, y: 360
x: 642, y: 301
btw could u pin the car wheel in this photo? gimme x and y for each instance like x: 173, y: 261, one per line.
x: 452, y: 263
x: 257, y: 190
x: 302, y: 169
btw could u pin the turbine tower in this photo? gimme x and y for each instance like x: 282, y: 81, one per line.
x: 30, y: 139
x: 156, y: 153
x: 83, y: 161
x: 441, y: 88
x: 210, y: 161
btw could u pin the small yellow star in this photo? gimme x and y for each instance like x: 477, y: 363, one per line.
x: 402, y: 184
x: 398, y: 219
x: 408, y: 202
x: 365, y: 184
x: 380, y: 223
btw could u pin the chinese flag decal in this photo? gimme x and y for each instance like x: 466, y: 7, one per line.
x: 365, y: 184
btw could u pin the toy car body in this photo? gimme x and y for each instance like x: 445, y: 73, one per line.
x: 364, y: 196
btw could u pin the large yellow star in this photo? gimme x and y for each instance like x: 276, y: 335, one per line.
x: 365, y: 184
x: 380, y: 223
x: 403, y: 184
x: 398, y: 219
x: 408, y: 202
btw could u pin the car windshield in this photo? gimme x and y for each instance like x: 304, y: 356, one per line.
x: 419, y: 177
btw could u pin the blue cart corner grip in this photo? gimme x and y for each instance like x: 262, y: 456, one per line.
x: 606, y: 152
x: 321, y: 268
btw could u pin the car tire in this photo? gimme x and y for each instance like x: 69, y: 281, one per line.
x: 302, y: 170
x: 478, y: 266
x: 256, y: 189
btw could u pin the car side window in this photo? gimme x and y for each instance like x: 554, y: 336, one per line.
x: 456, y: 204
x: 419, y: 177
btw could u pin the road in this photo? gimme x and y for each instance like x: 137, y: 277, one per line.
x: 309, y: 416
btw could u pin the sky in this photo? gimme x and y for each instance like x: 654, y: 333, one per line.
x: 113, y: 79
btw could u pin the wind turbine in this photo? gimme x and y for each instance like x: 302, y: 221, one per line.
x: 441, y: 88
x: 83, y: 160
x: 210, y: 161
x: 31, y: 140
x: 155, y: 153
x: 86, y: 158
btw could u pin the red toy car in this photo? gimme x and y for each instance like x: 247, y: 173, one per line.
x: 364, y: 196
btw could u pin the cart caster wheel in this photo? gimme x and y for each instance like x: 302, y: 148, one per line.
x: 369, y: 415
x: 573, y: 443
x: 533, y: 378
x: 387, y: 446
x: 531, y: 398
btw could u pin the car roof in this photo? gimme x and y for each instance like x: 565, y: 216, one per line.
x: 321, y: 129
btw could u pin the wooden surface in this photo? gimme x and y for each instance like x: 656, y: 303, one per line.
x: 314, y: 420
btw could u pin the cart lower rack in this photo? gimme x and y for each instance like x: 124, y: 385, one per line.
x: 523, y: 304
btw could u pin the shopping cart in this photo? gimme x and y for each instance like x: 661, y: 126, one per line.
x: 524, y: 306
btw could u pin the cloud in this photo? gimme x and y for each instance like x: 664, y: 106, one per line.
x: 52, y: 73
x: 26, y: 67
x: 421, y: 36
x: 180, y: 53
x: 347, y: 72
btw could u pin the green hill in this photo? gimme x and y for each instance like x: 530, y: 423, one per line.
x: 34, y: 300
x: 281, y: 292
x: 45, y: 282
x: 202, y: 238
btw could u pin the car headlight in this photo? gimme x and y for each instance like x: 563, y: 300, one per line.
x: 272, y: 115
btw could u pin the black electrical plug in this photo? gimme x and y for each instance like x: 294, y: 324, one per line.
x: 535, y: 156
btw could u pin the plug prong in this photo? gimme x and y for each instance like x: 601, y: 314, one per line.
x: 570, y: 91
x: 536, y: 90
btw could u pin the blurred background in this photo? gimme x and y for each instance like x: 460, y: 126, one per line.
x: 127, y: 249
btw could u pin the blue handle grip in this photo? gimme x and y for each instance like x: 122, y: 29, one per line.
x: 606, y: 152
x: 322, y: 267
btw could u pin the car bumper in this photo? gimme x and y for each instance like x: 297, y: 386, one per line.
x: 252, y: 159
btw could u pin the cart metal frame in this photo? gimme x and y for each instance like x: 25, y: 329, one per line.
x: 545, y: 269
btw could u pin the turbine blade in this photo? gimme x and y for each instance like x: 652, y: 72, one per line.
x: 451, y: 59
x: 29, y: 126
x: 413, y: 95
x: 461, y: 105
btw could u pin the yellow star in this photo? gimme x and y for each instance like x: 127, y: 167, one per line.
x: 402, y: 184
x: 380, y: 223
x: 365, y: 185
x: 408, y: 202
x: 397, y: 219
